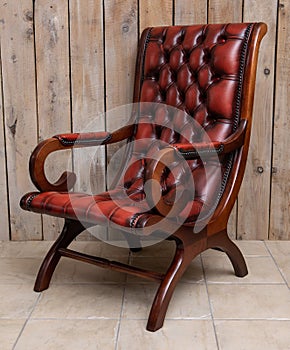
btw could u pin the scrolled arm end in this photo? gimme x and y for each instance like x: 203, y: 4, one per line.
x: 37, y: 172
x: 181, y: 153
x: 154, y: 183
x: 64, y: 142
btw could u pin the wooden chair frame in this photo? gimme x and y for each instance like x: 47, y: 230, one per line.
x: 188, y: 245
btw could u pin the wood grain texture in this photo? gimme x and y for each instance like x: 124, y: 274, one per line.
x: 87, y: 77
x: 155, y: 13
x: 102, y: 69
x: 223, y: 11
x: 17, y: 48
x: 121, y: 38
x: 4, y: 222
x: 280, y: 199
x: 190, y: 12
x: 254, y: 197
x: 52, y: 64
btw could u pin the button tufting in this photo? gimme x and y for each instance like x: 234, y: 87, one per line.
x: 207, y: 56
x: 222, y: 39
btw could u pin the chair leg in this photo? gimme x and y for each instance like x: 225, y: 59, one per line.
x: 222, y: 242
x: 180, y: 262
x: 134, y: 242
x: 69, y: 232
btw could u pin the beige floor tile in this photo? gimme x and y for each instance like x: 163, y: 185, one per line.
x: 194, y: 273
x: 102, y: 249
x: 250, y: 301
x: 175, y: 334
x: 30, y: 249
x: 253, y: 335
x: 68, y: 334
x: 9, y: 331
x: 252, y: 248
x: 17, y: 301
x: 248, y: 248
x: 75, y: 301
x: 71, y: 271
x: 161, y: 249
x: 281, y: 253
x: 38, y: 249
x: 188, y: 301
x: 218, y: 269
x: 17, y: 271
x: 279, y: 247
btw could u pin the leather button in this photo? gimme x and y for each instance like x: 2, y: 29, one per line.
x: 221, y: 39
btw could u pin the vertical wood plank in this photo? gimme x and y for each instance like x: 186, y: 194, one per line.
x: 254, y: 197
x: 87, y: 77
x: 52, y: 58
x: 19, y: 108
x: 121, y: 36
x: 190, y: 12
x: 4, y: 221
x: 155, y: 13
x: 17, y: 46
x: 280, y: 199
x: 223, y: 11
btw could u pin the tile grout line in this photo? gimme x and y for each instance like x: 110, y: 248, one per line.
x: 276, y: 264
x: 26, y: 321
x: 282, y: 319
x: 122, y: 305
x: 209, y: 302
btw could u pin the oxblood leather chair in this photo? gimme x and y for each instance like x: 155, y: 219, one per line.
x: 207, y: 71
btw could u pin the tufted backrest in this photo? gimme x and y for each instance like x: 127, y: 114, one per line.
x: 190, y: 86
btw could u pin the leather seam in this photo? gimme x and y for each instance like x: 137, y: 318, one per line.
x: 240, y: 76
x: 29, y: 200
x: 134, y: 220
x: 188, y: 154
x: 77, y: 141
x: 148, y: 37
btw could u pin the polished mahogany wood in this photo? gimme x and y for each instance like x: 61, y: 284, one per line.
x: 155, y: 83
x: 64, y: 142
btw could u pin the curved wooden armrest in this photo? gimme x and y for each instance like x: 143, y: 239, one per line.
x: 170, y: 154
x: 153, y: 183
x: 64, y: 142
x: 233, y: 142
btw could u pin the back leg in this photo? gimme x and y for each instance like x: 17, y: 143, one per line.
x: 133, y: 241
x: 69, y: 232
x: 221, y: 241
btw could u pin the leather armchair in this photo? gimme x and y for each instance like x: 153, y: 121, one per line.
x: 186, y: 164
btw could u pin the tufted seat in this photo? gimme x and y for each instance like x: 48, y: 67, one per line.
x: 188, y: 139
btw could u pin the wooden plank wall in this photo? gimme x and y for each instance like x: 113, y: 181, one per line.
x: 65, y: 62
x: 280, y: 195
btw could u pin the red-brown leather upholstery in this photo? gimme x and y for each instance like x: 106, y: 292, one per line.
x: 198, y: 70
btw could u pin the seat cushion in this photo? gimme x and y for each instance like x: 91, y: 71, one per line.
x: 114, y: 207
x: 117, y: 208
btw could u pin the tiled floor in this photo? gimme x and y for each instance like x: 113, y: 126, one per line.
x: 91, y: 308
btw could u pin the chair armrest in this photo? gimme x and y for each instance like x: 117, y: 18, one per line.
x: 64, y: 142
x: 179, y: 152
x: 194, y: 151
x: 153, y: 183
